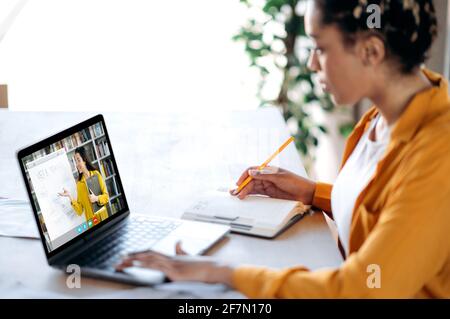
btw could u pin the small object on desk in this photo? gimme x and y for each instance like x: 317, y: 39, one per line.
x: 17, y: 220
x: 256, y: 215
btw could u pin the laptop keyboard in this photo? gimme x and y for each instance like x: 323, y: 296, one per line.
x: 137, y: 234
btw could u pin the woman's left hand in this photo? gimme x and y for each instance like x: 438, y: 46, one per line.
x: 93, y: 198
x: 181, y: 267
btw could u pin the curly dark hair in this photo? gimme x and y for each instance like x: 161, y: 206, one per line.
x: 408, y: 27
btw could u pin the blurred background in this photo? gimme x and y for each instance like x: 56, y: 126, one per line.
x: 178, y: 56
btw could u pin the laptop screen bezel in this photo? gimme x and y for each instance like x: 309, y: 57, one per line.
x: 56, y: 138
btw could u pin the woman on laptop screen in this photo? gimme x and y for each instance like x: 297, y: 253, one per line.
x: 92, y: 195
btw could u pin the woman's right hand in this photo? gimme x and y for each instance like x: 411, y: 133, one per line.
x: 276, y: 183
x: 65, y: 193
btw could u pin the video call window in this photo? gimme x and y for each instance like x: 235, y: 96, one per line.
x: 73, y: 185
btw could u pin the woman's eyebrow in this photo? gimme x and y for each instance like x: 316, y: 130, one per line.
x: 313, y: 36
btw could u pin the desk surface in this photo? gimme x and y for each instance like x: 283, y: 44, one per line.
x: 165, y: 162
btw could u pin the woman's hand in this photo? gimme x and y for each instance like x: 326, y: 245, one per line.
x: 93, y: 198
x: 276, y: 183
x: 65, y: 193
x: 181, y: 267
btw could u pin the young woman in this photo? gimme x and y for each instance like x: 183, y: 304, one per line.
x: 391, y: 200
x: 85, y: 199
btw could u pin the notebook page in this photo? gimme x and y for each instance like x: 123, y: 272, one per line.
x: 222, y: 204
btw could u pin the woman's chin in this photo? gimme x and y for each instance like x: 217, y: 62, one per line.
x: 339, y: 100
x: 335, y: 99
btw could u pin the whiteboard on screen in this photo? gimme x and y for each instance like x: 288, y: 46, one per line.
x: 49, y: 175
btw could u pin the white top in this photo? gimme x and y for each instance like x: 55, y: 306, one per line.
x: 355, y: 175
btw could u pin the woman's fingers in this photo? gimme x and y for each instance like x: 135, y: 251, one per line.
x: 179, y: 250
x: 245, y: 175
x: 172, y: 269
x: 162, y: 265
x: 255, y: 187
x: 246, y: 190
x: 156, y: 263
x: 145, y: 253
x: 268, y: 173
x: 268, y: 170
x: 129, y: 260
x: 124, y: 264
x: 259, y: 188
x: 175, y: 268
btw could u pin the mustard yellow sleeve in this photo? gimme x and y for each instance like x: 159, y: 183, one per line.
x: 77, y: 204
x: 322, y: 197
x: 409, y: 244
x: 104, y: 197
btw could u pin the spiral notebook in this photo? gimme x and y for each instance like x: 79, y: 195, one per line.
x: 256, y: 215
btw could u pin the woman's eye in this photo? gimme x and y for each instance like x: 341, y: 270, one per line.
x: 318, y: 50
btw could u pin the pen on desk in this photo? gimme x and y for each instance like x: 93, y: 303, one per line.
x: 263, y: 165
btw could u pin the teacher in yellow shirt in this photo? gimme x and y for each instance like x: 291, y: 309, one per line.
x: 83, y: 203
x: 391, y: 199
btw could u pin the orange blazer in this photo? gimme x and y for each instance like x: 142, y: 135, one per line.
x: 400, y: 229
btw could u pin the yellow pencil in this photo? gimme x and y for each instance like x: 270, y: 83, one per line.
x: 249, y: 178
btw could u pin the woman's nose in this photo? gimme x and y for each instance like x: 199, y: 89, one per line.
x: 313, y: 64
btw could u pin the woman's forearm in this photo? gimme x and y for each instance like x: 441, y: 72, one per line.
x: 222, y: 274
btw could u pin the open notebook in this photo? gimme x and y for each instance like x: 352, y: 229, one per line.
x: 255, y: 215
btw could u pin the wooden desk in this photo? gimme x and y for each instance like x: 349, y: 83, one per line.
x: 165, y: 161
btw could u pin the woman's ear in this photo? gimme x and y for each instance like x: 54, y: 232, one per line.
x: 372, y: 51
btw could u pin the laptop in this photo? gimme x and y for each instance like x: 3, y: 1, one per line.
x: 72, y: 227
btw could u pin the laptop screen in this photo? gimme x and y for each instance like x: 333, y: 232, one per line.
x: 74, y: 184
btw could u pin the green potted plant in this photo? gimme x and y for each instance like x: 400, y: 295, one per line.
x: 276, y: 43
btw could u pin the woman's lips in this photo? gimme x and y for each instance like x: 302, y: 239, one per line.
x: 324, y: 86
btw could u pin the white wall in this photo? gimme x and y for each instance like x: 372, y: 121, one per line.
x: 440, y: 53
x: 126, y: 55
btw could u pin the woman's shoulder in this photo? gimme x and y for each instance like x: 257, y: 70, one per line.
x: 95, y: 172
x: 430, y: 147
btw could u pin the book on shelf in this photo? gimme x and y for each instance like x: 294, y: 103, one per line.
x: 74, y: 141
x: 73, y: 165
x: 106, y: 148
x: 115, y: 206
x: 102, y: 148
x: 98, y: 130
x: 85, y: 136
x: 77, y: 139
x: 112, y: 191
x: 102, y: 169
x: 68, y: 144
x: 107, y: 168
x: 99, y: 150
